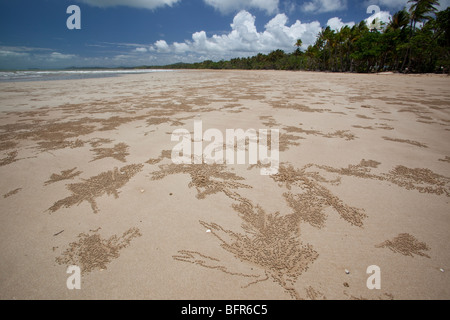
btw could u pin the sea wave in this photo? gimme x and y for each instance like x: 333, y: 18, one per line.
x: 38, y: 75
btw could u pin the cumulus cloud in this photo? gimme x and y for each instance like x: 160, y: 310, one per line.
x: 162, y: 46
x: 146, y: 4
x: 336, y: 24
x: 180, y: 47
x: 321, y: 6
x: 244, y: 38
x: 227, y: 6
x: 382, y: 16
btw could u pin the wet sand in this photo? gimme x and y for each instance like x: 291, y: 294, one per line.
x: 87, y: 179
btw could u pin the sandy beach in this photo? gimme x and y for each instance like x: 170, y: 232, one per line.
x: 87, y: 179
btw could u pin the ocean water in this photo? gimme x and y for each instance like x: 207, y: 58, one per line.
x: 39, y: 75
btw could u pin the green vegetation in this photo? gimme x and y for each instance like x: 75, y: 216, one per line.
x: 399, y: 46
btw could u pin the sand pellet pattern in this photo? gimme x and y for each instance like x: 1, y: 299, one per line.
x: 87, y: 175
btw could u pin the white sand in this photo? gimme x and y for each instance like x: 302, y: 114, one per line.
x: 392, y: 212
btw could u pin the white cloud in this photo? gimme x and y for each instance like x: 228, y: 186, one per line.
x: 383, y: 16
x: 336, y: 24
x: 243, y: 39
x: 180, y: 47
x: 321, y: 6
x: 29, y: 57
x: 141, y: 49
x: 12, y: 54
x: 60, y: 56
x: 289, y: 6
x: 146, y: 4
x: 22, y: 49
x: 161, y: 46
x: 400, y: 4
x: 390, y: 4
x: 279, y: 35
x: 443, y: 4
x: 227, y: 6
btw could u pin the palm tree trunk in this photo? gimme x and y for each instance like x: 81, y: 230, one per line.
x: 407, y: 55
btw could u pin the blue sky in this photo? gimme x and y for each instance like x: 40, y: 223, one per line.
x: 33, y: 33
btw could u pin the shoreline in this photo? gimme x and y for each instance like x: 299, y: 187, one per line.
x: 68, y: 74
x: 97, y: 74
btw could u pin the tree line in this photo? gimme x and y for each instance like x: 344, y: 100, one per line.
x: 415, y: 40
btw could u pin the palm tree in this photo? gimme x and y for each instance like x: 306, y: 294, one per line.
x: 344, y: 40
x: 313, y: 54
x: 328, y: 37
x: 298, y: 44
x: 399, y: 20
x: 396, y: 31
x: 419, y: 11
